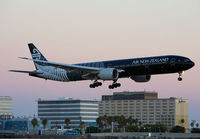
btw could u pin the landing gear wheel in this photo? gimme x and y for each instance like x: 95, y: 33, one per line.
x: 110, y: 86
x: 114, y: 85
x: 95, y: 84
x: 99, y: 84
x: 92, y: 86
x: 118, y: 84
x: 180, y: 79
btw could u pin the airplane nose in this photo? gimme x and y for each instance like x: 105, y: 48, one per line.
x: 192, y: 64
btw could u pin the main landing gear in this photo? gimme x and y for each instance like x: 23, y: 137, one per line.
x: 95, y: 84
x: 114, y: 85
x: 180, y: 76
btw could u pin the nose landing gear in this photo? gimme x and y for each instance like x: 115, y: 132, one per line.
x: 180, y: 76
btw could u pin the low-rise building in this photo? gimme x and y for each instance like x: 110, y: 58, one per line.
x: 77, y: 110
x: 22, y: 124
x: 147, y: 108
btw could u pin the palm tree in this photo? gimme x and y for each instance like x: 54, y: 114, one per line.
x: 192, y: 123
x: 182, y: 121
x: 34, y: 122
x: 82, y: 126
x: 140, y: 123
x: 44, y: 123
x: 197, y: 125
x: 105, y: 118
x: 136, y: 121
x: 110, y: 120
x: 67, y: 122
x: 121, y: 121
x: 100, y: 123
x: 130, y: 120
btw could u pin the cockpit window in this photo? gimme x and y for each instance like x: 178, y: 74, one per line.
x: 186, y: 60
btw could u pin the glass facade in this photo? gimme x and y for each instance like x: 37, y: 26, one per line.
x: 56, y: 111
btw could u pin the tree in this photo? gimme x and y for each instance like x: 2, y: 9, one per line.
x: 178, y: 129
x: 82, y: 126
x: 136, y: 121
x: 67, y: 122
x: 99, y: 121
x: 44, y: 123
x: 34, y: 122
x: 110, y: 120
x: 92, y: 129
x: 131, y: 128
x: 121, y: 121
x: 197, y: 125
x: 182, y: 121
x: 140, y: 123
x: 130, y: 121
x: 105, y: 118
x: 192, y: 124
x: 153, y: 128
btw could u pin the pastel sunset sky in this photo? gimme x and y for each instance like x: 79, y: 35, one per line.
x: 91, y: 30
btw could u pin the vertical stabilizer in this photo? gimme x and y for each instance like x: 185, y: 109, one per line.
x: 36, y: 54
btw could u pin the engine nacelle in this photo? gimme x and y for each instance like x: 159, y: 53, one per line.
x: 141, y: 78
x: 108, y: 74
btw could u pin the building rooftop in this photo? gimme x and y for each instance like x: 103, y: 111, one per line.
x: 67, y: 99
x: 131, y: 95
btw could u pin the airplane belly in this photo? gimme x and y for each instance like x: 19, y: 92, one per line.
x: 147, y: 70
x: 74, y: 76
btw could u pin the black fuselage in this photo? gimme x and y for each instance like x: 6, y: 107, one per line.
x: 147, y: 65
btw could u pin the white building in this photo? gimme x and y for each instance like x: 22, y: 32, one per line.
x: 5, y: 107
x: 77, y: 110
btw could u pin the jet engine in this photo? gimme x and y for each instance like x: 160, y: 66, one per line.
x: 141, y: 78
x: 108, y: 74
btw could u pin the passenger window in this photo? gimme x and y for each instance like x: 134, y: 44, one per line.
x: 101, y: 65
x: 97, y: 65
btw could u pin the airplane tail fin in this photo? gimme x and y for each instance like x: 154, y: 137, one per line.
x: 36, y: 54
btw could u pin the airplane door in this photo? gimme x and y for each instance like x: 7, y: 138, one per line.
x: 172, y: 62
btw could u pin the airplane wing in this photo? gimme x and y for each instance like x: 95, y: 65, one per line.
x: 88, y: 72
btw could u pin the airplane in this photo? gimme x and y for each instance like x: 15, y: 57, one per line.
x: 138, y: 69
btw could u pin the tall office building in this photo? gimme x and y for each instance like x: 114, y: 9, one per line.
x: 5, y: 108
x: 146, y: 107
x: 77, y: 110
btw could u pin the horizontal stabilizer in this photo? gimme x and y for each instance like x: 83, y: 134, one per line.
x: 22, y: 71
x: 23, y: 58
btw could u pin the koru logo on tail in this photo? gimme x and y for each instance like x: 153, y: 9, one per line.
x: 36, y: 54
